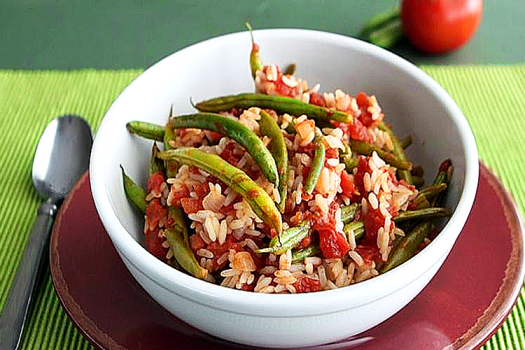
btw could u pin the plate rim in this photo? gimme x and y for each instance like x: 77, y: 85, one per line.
x: 477, y: 335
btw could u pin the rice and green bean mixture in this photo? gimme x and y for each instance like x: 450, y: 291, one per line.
x: 285, y: 190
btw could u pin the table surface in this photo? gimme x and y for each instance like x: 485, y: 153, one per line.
x: 61, y: 34
x: 64, y: 35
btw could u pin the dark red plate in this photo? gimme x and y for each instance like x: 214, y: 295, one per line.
x: 461, y: 308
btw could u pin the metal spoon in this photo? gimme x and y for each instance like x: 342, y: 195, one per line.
x: 61, y: 157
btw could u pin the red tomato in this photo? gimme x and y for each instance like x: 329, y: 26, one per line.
x: 155, y: 180
x: 363, y: 103
x: 154, y: 244
x: 333, y: 244
x: 317, y: 99
x: 347, y: 184
x: 307, y: 284
x: 191, y: 205
x: 196, y: 242
x: 438, y: 26
x: 155, y: 212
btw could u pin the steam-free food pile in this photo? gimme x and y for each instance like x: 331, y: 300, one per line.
x: 285, y: 190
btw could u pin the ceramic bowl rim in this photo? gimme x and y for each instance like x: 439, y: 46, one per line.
x: 294, y: 305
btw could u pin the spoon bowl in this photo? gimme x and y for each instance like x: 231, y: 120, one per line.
x: 62, y: 156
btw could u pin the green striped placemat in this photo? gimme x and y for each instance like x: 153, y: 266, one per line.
x: 491, y: 97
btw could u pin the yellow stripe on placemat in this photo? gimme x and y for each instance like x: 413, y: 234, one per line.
x: 491, y: 97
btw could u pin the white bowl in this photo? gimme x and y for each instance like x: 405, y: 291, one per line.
x: 412, y: 102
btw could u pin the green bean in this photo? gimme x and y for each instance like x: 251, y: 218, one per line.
x: 290, y: 69
x: 426, y: 213
x: 178, y: 241
x: 350, y: 161
x: 378, y: 21
x: 289, y: 239
x: 147, y: 130
x: 240, y: 183
x: 406, y: 142
x: 155, y: 164
x: 428, y: 194
x: 135, y: 193
x: 443, y: 176
x: 407, y: 246
x: 444, y: 173
x: 358, y: 227
x: 421, y: 201
x: 268, y: 126
x: 169, y: 138
x: 255, y: 59
x: 299, y: 255
x: 290, y: 128
x: 278, y: 103
x: 361, y: 147
x: 387, y: 36
x: 398, y: 152
x: 432, y: 191
x: 236, y: 131
x: 317, y: 166
x: 348, y: 212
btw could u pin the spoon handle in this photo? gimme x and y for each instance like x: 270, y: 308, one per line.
x: 18, y: 301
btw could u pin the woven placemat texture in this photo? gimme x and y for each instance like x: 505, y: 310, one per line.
x: 491, y: 97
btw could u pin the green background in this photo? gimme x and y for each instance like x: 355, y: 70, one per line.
x: 131, y: 34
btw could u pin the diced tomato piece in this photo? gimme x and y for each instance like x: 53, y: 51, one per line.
x: 333, y: 244
x: 248, y: 287
x: 347, y: 184
x: 218, y: 249
x: 155, y: 181
x: 307, y: 284
x: 154, y: 244
x: 373, y: 220
x: 306, y: 171
x: 317, y: 99
x: 178, y: 192
x: 355, y: 130
x: 362, y: 99
x: 213, y: 136
x: 196, y: 242
x: 362, y: 168
x: 227, y: 154
x: 155, y: 212
x: 306, y: 197
x: 253, y: 173
x: 332, y: 153
x: 194, y: 170
x: 284, y: 90
x: 191, y: 205
x: 308, y: 149
x: 368, y: 251
x: 228, y: 210
x: 201, y: 189
x: 358, y: 131
x: 363, y: 103
x: 305, y: 242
